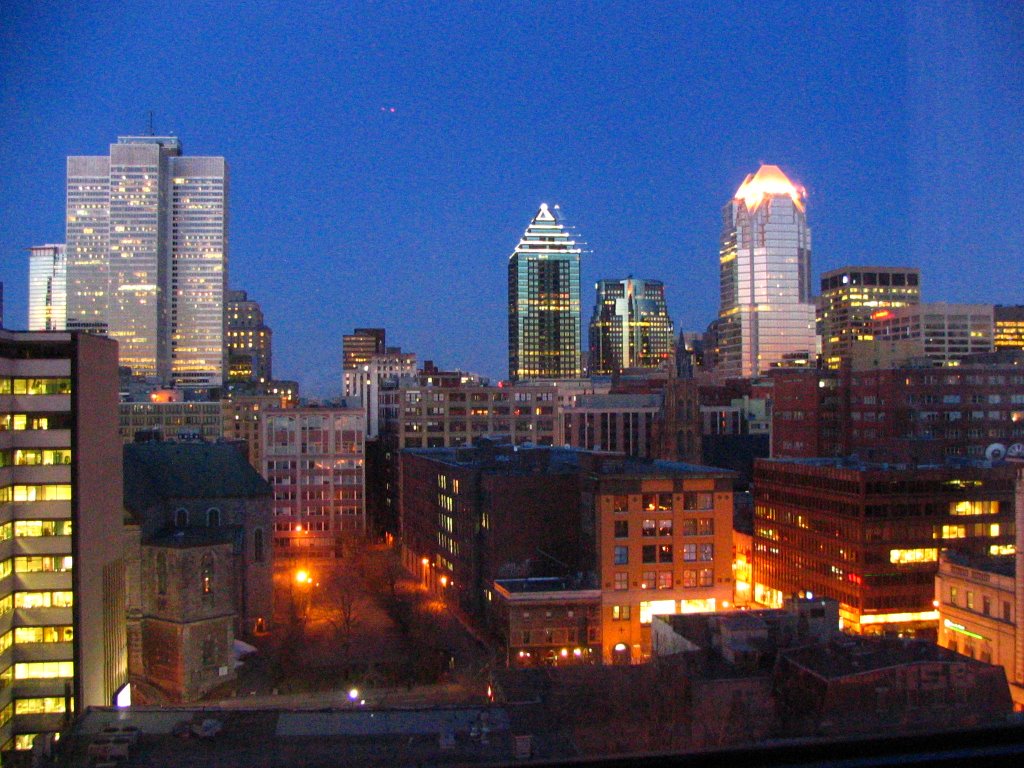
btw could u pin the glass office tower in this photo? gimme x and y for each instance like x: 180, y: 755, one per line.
x: 766, y: 318
x: 544, y: 302
x: 47, y: 287
x: 147, y: 257
x: 630, y: 327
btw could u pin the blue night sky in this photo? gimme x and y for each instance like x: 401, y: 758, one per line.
x: 903, y: 121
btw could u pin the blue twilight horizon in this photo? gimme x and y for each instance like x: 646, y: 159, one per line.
x: 385, y: 160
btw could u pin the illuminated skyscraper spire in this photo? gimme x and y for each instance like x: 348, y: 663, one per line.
x: 544, y: 302
x: 766, y: 317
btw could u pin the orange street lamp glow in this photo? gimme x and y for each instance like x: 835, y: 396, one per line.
x: 425, y: 561
x: 444, y: 581
x: 302, y: 577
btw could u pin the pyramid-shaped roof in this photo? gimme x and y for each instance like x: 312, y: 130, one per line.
x: 769, y: 180
x: 546, y: 234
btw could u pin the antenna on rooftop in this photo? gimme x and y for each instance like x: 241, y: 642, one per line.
x: 151, y: 131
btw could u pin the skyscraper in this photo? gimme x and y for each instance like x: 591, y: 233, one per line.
x: 47, y: 287
x: 766, y: 316
x: 248, y: 339
x: 544, y: 302
x: 630, y: 327
x: 147, y: 257
x: 851, y: 295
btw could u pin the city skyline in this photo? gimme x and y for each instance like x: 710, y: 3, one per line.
x: 620, y: 140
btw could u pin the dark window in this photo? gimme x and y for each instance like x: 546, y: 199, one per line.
x: 621, y: 529
x: 649, y: 554
x: 257, y: 546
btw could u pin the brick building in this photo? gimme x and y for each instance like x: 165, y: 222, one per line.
x: 869, y: 535
x: 903, y: 414
x: 547, y: 621
x: 662, y: 538
x: 472, y: 515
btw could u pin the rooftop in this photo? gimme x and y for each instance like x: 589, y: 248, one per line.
x: 194, y: 536
x: 620, y: 401
x: 854, y: 655
x: 327, y: 737
x: 1000, y: 565
x: 504, y: 458
x: 547, y: 584
x: 158, y: 471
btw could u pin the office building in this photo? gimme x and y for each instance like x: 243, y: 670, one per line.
x: 167, y: 417
x: 869, y: 535
x: 474, y: 514
x: 242, y: 417
x: 248, y: 339
x: 948, y: 332
x: 314, y: 458
x: 851, y: 295
x: 662, y: 423
x: 62, y: 596
x: 357, y: 347
x: 902, y: 414
x: 630, y: 327
x: 147, y: 257
x: 379, y: 371
x: 47, y: 287
x: 766, y: 316
x: 1009, y: 326
x: 544, y: 301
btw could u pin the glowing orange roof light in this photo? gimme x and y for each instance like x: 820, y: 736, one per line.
x: 881, y: 314
x: 769, y: 180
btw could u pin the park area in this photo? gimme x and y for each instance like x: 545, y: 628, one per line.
x: 360, y: 631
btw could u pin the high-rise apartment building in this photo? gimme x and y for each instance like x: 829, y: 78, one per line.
x: 248, y: 339
x: 544, y: 302
x: 630, y: 327
x: 851, y: 295
x: 62, y: 579
x: 766, y: 317
x: 147, y: 257
x: 47, y: 287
